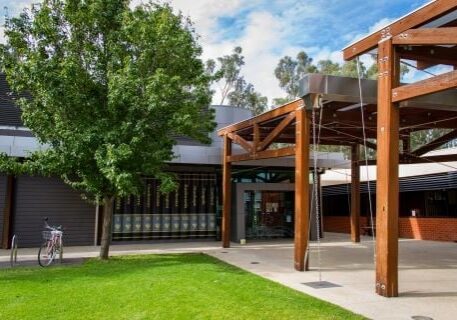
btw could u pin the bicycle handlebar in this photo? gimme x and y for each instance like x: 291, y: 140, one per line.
x: 52, y: 228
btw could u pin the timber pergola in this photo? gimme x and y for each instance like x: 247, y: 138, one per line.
x: 427, y: 36
x: 391, y: 112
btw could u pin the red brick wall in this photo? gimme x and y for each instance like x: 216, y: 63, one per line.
x: 439, y: 229
x: 340, y: 224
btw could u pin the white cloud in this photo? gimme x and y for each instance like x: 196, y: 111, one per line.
x: 267, y: 31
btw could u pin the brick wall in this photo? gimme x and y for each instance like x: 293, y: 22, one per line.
x: 439, y: 229
x: 340, y: 224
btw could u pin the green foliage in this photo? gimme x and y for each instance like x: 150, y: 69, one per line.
x: 328, y: 67
x: 245, y: 96
x: 171, y: 286
x: 289, y: 71
x: 234, y: 87
x: 230, y: 71
x: 280, y: 101
x: 108, y: 87
x: 422, y: 137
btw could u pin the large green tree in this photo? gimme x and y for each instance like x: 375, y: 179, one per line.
x: 289, y: 71
x: 234, y: 88
x: 229, y: 72
x: 107, y: 87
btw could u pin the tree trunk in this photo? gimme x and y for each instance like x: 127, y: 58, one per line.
x: 106, y: 230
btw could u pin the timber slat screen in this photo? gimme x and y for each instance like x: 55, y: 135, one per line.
x: 187, y: 213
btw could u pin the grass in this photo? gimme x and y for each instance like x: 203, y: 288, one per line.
x: 173, y: 286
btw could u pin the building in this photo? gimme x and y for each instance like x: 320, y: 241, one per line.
x: 193, y: 212
x: 428, y: 199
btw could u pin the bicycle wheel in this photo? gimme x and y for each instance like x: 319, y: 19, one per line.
x: 46, y: 254
x: 13, y: 257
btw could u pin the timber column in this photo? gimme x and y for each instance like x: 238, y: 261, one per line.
x: 387, y: 173
x: 226, y: 191
x: 302, y: 128
x: 355, y: 193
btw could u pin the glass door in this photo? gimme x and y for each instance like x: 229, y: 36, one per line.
x: 269, y: 214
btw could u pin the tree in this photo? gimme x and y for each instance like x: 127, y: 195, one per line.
x: 230, y: 70
x: 329, y: 67
x: 289, y: 71
x: 108, y: 87
x: 245, y: 96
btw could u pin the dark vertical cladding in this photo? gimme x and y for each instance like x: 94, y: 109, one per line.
x: 3, y: 186
x: 39, y: 197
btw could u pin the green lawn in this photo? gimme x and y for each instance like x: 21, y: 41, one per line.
x: 178, y: 286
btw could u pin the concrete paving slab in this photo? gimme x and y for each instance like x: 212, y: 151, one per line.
x: 428, y: 286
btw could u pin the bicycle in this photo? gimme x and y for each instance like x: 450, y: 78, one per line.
x: 52, y: 245
x: 13, y: 255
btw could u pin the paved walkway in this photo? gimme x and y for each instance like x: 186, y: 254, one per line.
x: 428, y: 271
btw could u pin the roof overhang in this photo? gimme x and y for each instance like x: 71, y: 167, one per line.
x: 435, y: 14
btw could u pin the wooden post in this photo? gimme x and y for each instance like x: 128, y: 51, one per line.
x: 387, y: 173
x: 302, y: 128
x: 226, y: 192
x: 8, y: 210
x: 256, y: 139
x: 355, y: 193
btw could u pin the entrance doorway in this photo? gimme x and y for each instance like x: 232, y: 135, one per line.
x: 269, y: 214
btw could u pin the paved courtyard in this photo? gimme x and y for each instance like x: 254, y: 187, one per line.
x: 428, y: 271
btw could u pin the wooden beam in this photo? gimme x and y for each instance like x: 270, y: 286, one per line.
x: 430, y: 159
x: 430, y: 12
x: 438, y: 142
x: 387, y: 189
x: 240, y: 141
x: 266, y: 154
x: 8, y: 211
x: 276, y: 132
x: 302, y: 128
x: 427, y: 36
x: 226, y: 192
x: 428, y: 55
x: 355, y: 194
x: 435, y: 84
x: 256, y: 138
x: 267, y: 116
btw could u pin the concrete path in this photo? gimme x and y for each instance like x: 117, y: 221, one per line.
x: 428, y: 275
x: 428, y: 271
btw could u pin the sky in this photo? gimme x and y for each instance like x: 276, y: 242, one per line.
x: 270, y: 29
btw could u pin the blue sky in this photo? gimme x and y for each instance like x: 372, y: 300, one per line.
x: 270, y: 29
